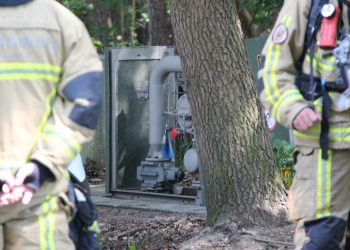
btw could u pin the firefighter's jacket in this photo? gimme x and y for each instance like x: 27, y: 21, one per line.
x: 278, y: 73
x: 50, y: 88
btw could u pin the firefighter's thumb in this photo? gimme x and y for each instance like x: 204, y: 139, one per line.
x: 7, y: 181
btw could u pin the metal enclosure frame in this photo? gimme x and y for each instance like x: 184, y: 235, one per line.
x: 113, y: 58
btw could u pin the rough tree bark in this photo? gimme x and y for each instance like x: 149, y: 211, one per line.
x: 234, y: 147
x: 160, y: 30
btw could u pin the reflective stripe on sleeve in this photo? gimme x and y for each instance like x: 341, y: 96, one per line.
x: 51, y: 133
x: 288, y: 96
x: 49, y: 103
x: 30, y: 71
x: 269, y: 73
x: 270, y: 69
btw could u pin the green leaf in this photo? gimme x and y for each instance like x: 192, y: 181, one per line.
x: 131, y: 247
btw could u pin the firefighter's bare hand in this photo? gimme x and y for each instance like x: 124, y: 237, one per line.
x: 7, y: 181
x: 21, y: 186
x: 26, y: 182
x: 307, y: 118
x: 14, y: 196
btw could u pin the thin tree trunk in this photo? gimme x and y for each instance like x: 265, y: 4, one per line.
x: 133, y: 21
x: 234, y: 146
x: 160, y: 30
x: 121, y: 19
x: 249, y: 29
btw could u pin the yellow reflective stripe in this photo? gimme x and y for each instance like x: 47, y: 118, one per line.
x: 42, y: 226
x: 288, y: 96
x: 29, y: 76
x: 268, y: 75
x: 52, y: 129
x: 335, y: 134
x: 323, y: 185
x: 71, y: 153
x: 52, y: 208
x: 287, y: 20
x: 319, y: 185
x: 314, y: 63
x: 273, y: 70
x: 326, y: 67
x: 67, y: 175
x: 318, y: 105
x: 339, y: 134
x: 47, y: 224
x: 270, y: 68
x: 321, y: 56
x: 313, y: 133
x: 327, y: 60
x: 344, y: 139
x: 50, y: 132
x: 49, y: 103
x: 30, y: 71
x: 327, y: 64
x: 305, y: 136
x: 35, y: 66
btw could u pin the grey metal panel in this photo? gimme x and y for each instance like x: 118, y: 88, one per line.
x: 127, y: 125
x: 114, y: 113
x: 107, y: 103
x: 254, y: 47
x: 149, y: 53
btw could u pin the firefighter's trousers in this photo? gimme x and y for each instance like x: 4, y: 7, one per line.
x: 38, y: 227
x: 319, y: 198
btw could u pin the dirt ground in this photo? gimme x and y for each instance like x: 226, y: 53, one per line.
x: 148, y: 230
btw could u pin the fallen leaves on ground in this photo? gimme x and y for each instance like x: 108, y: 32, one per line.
x: 150, y: 230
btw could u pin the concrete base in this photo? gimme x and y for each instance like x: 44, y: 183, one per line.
x: 101, y: 199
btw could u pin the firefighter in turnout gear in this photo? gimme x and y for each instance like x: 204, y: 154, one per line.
x: 50, y: 98
x: 306, y: 89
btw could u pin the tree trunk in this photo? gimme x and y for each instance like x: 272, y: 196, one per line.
x: 234, y: 147
x: 249, y: 29
x: 160, y: 30
x: 132, y: 26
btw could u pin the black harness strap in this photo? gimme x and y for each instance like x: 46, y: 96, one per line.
x: 313, y: 25
x: 326, y: 105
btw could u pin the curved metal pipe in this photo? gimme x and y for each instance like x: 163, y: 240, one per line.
x: 157, y: 101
